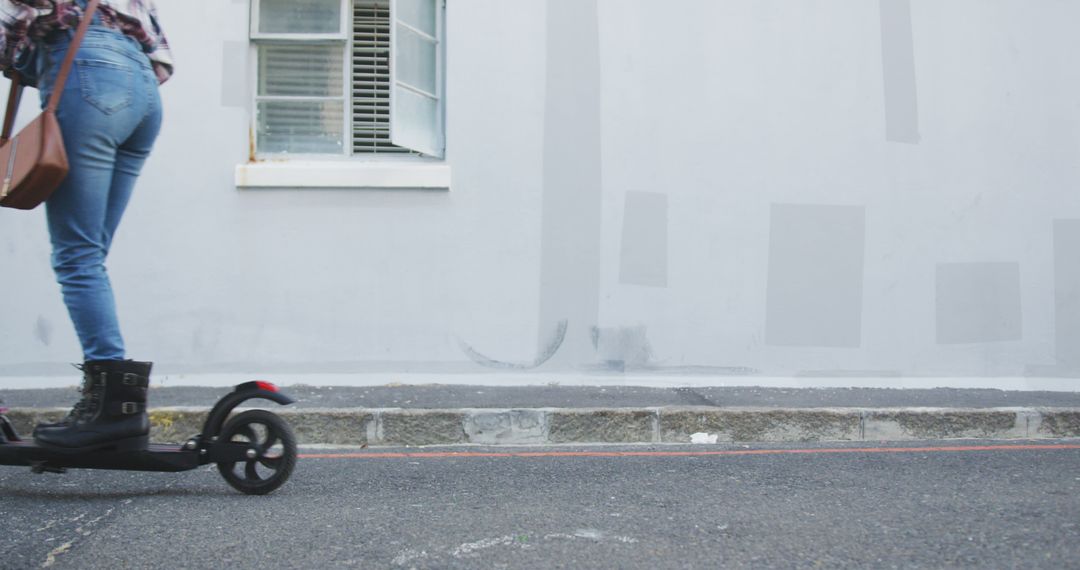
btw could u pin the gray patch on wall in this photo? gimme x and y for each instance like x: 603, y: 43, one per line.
x: 622, y: 348
x: 898, y: 69
x: 234, y: 74
x: 815, y: 286
x: 1067, y: 291
x: 572, y: 202
x: 644, y: 256
x: 978, y: 302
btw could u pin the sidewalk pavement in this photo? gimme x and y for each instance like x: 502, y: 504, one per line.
x: 416, y: 415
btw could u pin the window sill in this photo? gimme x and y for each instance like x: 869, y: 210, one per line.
x: 344, y: 174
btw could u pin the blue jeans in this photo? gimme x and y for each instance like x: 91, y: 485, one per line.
x: 110, y: 115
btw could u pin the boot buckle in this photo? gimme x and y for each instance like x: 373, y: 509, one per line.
x: 130, y: 379
x: 129, y: 408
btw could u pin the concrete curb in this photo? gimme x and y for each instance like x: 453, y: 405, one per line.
x: 416, y: 427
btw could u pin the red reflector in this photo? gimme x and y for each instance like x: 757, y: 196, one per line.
x: 266, y: 386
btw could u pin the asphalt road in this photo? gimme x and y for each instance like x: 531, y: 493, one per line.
x: 764, y: 507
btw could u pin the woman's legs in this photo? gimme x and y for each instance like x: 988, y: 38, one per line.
x: 110, y: 115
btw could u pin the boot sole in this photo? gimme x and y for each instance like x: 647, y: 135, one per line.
x: 126, y: 445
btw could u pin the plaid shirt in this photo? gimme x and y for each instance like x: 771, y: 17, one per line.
x: 24, y: 22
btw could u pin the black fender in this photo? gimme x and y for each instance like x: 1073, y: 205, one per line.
x: 242, y: 393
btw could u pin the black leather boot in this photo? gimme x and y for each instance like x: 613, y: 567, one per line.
x: 111, y: 415
x: 76, y: 409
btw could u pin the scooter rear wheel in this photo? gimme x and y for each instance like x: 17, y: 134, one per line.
x: 275, y: 447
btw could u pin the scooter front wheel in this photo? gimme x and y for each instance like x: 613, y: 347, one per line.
x: 273, y: 452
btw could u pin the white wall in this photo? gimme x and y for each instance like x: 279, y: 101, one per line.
x: 759, y: 124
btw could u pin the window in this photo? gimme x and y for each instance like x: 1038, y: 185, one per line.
x: 349, y: 77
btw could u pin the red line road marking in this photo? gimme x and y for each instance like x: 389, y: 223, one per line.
x: 477, y: 454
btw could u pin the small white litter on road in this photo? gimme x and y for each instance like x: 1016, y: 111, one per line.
x: 593, y: 535
x: 701, y: 437
x: 407, y: 556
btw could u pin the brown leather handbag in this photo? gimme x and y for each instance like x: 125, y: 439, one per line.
x: 33, y: 163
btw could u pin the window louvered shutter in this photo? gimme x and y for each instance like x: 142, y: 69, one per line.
x: 371, y: 78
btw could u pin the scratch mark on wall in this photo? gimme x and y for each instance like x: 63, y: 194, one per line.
x: 43, y: 330
x: 960, y: 214
x: 555, y: 341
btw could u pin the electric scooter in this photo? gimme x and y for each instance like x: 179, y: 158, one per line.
x: 255, y: 450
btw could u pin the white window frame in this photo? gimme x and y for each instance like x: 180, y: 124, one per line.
x: 397, y: 135
x: 255, y: 34
x: 348, y: 169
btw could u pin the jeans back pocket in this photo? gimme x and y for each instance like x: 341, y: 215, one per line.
x: 107, y: 85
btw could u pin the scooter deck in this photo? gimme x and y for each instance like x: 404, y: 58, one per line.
x: 237, y: 460
x: 157, y: 457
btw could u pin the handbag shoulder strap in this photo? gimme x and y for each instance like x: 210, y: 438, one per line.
x: 15, y: 94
